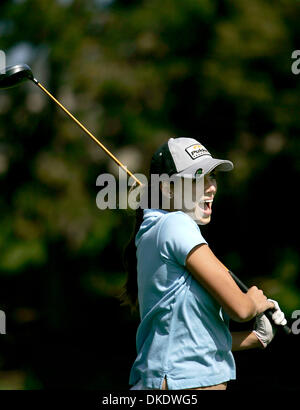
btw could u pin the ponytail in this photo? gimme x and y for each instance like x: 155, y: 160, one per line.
x: 129, y: 296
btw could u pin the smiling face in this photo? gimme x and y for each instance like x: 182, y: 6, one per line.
x: 202, y: 201
x: 195, y: 197
x: 203, y: 208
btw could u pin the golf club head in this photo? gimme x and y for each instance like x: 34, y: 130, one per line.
x: 15, y: 75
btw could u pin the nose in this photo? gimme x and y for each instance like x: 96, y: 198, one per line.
x: 211, y: 187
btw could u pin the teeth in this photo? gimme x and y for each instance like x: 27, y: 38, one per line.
x: 204, y: 202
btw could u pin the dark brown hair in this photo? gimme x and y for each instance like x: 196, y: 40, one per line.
x: 129, y: 296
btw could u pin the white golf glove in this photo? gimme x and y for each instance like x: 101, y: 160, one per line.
x: 263, y: 328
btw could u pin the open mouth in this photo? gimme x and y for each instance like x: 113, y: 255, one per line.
x: 206, y: 206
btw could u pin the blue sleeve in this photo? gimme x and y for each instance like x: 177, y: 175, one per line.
x: 177, y: 236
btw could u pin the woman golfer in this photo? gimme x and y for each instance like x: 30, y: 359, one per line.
x: 184, y: 293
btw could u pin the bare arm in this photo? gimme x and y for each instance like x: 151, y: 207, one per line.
x: 245, y: 340
x: 213, y: 276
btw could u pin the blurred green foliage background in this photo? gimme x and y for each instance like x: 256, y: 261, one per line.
x: 136, y: 73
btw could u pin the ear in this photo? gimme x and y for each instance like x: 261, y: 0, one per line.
x: 166, y: 189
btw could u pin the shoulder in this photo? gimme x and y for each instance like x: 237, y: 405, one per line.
x: 177, y: 225
x: 178, y: 219
x: 177, y: 235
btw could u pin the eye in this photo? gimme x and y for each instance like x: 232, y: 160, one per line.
x: 212, y: 175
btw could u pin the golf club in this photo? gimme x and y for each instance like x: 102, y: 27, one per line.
x: 268, y: 312
x: 18, y: 74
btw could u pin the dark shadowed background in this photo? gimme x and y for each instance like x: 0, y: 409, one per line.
x: 136, y: 73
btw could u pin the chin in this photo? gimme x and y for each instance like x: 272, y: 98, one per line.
x: 203, y: 221
x: 197, y: 215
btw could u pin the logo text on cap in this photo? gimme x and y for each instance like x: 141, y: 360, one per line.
x: 196, y: 151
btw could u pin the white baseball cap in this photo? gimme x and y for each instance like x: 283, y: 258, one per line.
x: 186, y: 157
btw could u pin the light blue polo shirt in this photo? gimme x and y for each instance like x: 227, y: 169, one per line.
x: 183, y: 333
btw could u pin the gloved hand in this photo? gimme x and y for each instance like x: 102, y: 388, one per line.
x: 263, y: 328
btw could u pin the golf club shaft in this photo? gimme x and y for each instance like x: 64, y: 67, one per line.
x: 268, y: 312
x: 88, y: 133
